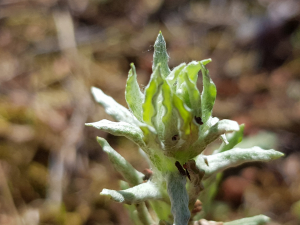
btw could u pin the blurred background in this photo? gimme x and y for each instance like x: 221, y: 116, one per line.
x: 52, y: 51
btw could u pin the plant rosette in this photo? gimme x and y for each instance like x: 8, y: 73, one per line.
x: 172, y: 123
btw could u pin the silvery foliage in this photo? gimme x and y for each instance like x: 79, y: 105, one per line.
x: 172, y: 123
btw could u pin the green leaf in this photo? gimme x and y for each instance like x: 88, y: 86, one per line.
x: 209, y: 94
x: 136, y: 194
x: 131, y: 175
x: 194, y: 96
x: 255, y: 220
x: 179, y: 198
x: 160, y: 55
x: 167, y: 103
x: 133, y: 95
x: 233, y: 139
x: 185, y: 116
x: 221, y: 127
x: 172, y: 78
x: 169, y: 119
x: 151, y: 94
x: 235, y: 157
x: 150, y: 136
x: 263, y: 139
x: 210, y: 122
x: 117, y: 111
x: 130, y: 131
x: 205, y: 61
x: 192, y: 69
x: 214, y: 132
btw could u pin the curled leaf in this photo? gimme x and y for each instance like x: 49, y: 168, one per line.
x: 151, y: 94
x: 133, y: 95
x: 194, y: 96
x: 185, y: 117
x: 172, y: 77
x: 209, y: 93
x: 169, y: 119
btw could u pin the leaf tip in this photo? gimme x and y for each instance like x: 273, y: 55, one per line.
x: 278, y: 154
x: 262, y: 218
x: 235, y: 126
x: 204, y: 62
x: 242, y: 127
x: 101, y: 141
x: 94, y: 89
x: 132, y: 67
x: 103, y: 192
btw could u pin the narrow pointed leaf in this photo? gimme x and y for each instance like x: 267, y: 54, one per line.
x: 179, y: 198
x: 235, y: 157
x: 151, y: 94
x: 209, y: 94
x: 160, y: 55
x: 130, y: 131
x: 255, y: 220
x: 205, y: 61
x: 134, y: 96
x: 136, y: 194
x: 117, y: 111
x: 131, y: 175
